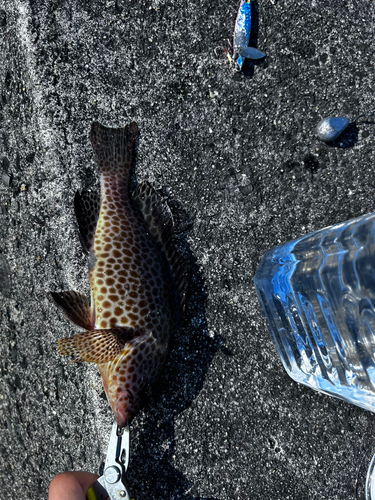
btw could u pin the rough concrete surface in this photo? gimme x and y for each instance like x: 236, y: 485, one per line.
x: 236, y: 157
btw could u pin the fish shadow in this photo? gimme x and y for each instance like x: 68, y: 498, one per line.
x: 151, y: 473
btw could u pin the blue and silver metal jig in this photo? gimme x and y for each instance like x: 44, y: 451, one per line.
x: 241, y: 49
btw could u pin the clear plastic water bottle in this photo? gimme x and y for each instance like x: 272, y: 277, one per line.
x: 318, y: 295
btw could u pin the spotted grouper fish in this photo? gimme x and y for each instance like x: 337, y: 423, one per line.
x: 137, y: 281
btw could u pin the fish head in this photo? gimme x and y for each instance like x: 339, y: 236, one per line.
x: 127, y: 379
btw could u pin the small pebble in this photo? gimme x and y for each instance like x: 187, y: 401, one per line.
x: 30, y: 157
x: 330, y: 128
x: 3, y: 18
x: 5, y: 277
x: 5, y: 179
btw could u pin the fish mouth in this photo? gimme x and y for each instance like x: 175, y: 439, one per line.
x: 121, y: 400
x: 120, y: 417
x: 105, y: 386
x: 124, y: 407
x: 121, y: 405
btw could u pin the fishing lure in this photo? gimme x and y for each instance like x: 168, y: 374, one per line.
x: 241, y: 37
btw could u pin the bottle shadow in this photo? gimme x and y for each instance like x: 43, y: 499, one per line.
x: 151, y: 473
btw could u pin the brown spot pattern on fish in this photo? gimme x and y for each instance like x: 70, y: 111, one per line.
x: 133, y: 295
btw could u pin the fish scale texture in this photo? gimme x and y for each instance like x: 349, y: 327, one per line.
x: 236, y: 157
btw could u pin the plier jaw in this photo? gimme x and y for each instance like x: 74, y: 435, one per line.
x: 111, y: 485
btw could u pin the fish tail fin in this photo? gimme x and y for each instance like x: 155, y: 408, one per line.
x: 114, y: 148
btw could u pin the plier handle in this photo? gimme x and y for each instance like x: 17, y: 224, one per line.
x: 111, y: 485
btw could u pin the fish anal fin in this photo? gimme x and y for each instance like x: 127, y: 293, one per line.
x: 159, y: 220
x: 87, y: 209
x: 97, y: 346
x: 75, y: 307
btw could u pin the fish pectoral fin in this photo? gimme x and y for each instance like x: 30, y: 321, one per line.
x: 75, y: 307
x: 251, y: 53
x: 87, y: 209
x: 97, y: 346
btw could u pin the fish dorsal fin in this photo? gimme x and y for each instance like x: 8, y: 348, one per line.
x: 87, y: 209
x: 75, y: 307
x: 155, y: 211
x: 97, y: 346
x: 159, y: 220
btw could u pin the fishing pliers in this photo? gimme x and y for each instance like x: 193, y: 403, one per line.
x: 111, y: 484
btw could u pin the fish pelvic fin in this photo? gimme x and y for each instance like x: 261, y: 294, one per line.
x: 75, y: 307
x: 159, y: 220
x: 114, y: 148
x: 87, y: 209
x: 97, y: 346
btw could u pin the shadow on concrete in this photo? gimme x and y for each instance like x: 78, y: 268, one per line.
x: 151, y: 472
x: 350, y: 136
x: 347, y: 139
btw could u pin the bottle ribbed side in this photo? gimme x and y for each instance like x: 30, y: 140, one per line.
x: 318, y: 296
